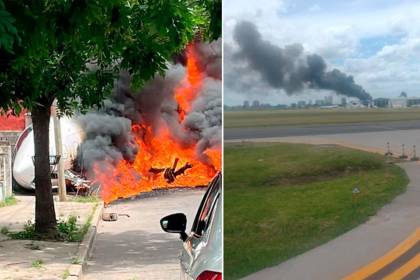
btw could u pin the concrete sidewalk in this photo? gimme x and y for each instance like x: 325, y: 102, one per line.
x: 349, y: 252
x: 18, y: 257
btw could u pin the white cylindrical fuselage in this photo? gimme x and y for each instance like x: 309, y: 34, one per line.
x: 23, y: 165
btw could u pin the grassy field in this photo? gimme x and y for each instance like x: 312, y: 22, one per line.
x: 316, y: 116
x: 284, y: 199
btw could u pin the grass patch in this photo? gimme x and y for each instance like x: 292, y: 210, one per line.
x: 75, y: 260
x: 254, y: 118
x: 65, y: 274
x: 37, y: 263
x: 284, y: 199
x: 4, y: 230
x: 28, y: 232
x: 85, y: 199
x: 11, y: 200
x: 68, y: 230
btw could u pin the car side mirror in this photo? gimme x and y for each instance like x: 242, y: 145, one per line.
x: 175, y: 223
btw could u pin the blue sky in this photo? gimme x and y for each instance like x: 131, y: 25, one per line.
x: 369, y: 46
x: 375, y: 41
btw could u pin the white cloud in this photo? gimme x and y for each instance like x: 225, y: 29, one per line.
x: 335, y: 29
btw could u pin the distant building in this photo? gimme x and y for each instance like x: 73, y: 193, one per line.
x: 281, y: 106
x: 328, y: 100
x: 301, y: 104
x: 255, y: 104
x: 381, y: 102
x: 246, y: 104
x: 413, y: 102
x: 400, y: 102
x: 343, y: 102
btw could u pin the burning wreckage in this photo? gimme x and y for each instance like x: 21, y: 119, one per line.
x: 135, y: 142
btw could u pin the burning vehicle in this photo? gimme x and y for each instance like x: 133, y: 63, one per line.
x: 168, y: 134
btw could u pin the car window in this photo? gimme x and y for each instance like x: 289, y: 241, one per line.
x: 209, y: 217
x: 204, y: 212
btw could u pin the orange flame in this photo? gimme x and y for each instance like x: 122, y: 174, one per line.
x: 158, y: 150
x: 187, y: 91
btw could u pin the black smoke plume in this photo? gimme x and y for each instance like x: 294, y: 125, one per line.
x: 288, y: 68
x: 108, y: 130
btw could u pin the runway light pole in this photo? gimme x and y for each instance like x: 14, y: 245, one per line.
x: 414, y: 157
x: 403, y: 155
x: 354, y: 199
x: 388, y: 150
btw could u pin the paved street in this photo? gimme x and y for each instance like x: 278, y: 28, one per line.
x: 135, y: 247
x: 379, y: 238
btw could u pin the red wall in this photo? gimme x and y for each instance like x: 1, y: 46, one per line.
x: 12, y: 123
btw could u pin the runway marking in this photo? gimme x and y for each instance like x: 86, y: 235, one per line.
x: 406, y: 253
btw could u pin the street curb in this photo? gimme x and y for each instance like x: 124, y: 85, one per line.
x: 85, y: 247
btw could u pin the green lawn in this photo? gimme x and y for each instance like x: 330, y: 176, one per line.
x: 254, y: 118
x: 284, y: 199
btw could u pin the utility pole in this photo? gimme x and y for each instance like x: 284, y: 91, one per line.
x: 62, y: 193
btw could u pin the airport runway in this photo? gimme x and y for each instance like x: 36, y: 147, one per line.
x: 283, y: 131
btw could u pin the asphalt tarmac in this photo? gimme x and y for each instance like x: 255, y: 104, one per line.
x: 285, y: 131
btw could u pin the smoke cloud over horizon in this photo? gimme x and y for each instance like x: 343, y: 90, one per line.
x: 287, y: 68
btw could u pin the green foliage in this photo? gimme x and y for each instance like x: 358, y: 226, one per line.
x: 86, y: 199
x: 27, y: 233
x: 75, y: 260
x: 8, y: 31
x: 11, y: 200
x: 68, y: 230
x: 37, y: 263
x: 213, y: 30
x: 71, y: 231
x: 74, y: 50
x: 4, y: 230
x: 65, y: 274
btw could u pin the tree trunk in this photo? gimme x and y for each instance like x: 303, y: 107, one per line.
x: 45, y: 219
